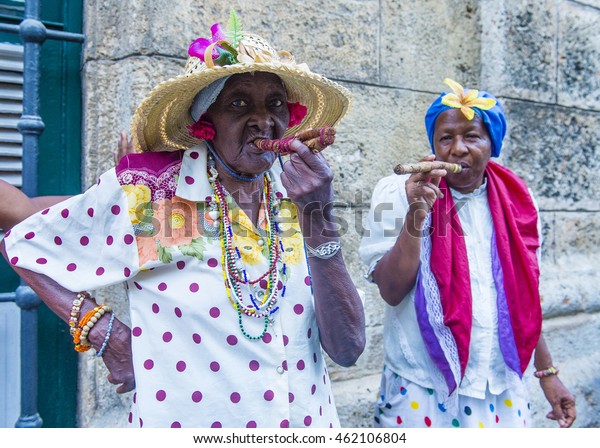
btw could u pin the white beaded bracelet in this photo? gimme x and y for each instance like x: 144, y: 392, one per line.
x: 325, y: 250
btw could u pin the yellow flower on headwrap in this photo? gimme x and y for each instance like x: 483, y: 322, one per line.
x: 465, y: 101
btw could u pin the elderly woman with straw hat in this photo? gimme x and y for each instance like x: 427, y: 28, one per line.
x: 461, y: 278
x: 233, y: 266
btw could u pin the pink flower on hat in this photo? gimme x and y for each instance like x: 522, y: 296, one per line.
x: 199, y: 46
x: 203, y: 129
x: 297, y: 113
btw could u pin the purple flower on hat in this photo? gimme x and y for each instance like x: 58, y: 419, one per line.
x: 199, y: 46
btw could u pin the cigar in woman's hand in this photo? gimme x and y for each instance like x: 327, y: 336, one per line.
x: 424, y: 167
x: 316, y: 139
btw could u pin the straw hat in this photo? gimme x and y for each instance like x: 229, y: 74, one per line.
x: 161, y: 120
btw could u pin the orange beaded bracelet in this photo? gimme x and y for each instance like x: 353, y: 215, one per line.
x: 85, y: 325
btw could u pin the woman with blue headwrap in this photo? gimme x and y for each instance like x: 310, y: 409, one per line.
x: 461, y: 278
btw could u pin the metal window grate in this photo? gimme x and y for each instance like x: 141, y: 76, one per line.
x: 11, y: 108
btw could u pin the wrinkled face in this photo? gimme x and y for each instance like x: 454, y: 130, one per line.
x: 466, y: 142
x: 251, y: 105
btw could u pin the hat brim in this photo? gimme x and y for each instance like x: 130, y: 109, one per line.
x: 161, y: 121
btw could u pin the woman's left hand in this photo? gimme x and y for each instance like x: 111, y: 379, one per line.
x: 561, y: 400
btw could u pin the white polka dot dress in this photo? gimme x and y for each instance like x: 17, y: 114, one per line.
x: 193, y: 365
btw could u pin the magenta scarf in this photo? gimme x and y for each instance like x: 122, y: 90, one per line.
x: 515, y: 239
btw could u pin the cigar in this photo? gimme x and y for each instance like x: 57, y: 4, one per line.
x: 316, y: 139
x: 424, y: 167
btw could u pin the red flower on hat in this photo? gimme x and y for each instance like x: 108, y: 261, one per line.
x: 203, y: 129
x: 297, y: 113
x: 199, y: 46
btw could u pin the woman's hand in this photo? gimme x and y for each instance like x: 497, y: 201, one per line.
x: 125, y: 147
x: 308, y: 180
x: 117, y: 356
x: 561, y: 400
x: 422, y: 190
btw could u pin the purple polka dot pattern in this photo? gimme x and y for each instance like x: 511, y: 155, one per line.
x: 190, y: 350
x: 197, y: 396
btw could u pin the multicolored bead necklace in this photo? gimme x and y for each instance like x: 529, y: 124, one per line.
x: 235, y: 275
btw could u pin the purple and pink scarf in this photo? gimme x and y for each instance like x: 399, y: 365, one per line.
x: 443, y: 293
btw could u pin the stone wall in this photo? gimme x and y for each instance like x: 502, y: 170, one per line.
x: 541, y: 58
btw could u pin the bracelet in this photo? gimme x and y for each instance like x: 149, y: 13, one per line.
x: 108, y: 331
x: 76, y: 309
x: 544, y: 373
x: 85, y: 325
x: 325, y: 250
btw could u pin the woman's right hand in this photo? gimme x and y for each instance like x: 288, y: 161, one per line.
x: 422, y: 190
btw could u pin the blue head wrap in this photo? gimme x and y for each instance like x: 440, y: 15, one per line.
x: 493, y: 119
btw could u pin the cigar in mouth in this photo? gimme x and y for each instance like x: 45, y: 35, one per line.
x: 424, y: 167
x: 316, y: 139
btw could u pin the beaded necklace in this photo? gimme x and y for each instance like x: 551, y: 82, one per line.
x: 263, y: 301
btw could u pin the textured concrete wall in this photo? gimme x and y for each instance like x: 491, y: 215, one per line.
x: 541, y: 58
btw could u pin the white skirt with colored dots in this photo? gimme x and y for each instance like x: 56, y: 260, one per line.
x: 404, y: 404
